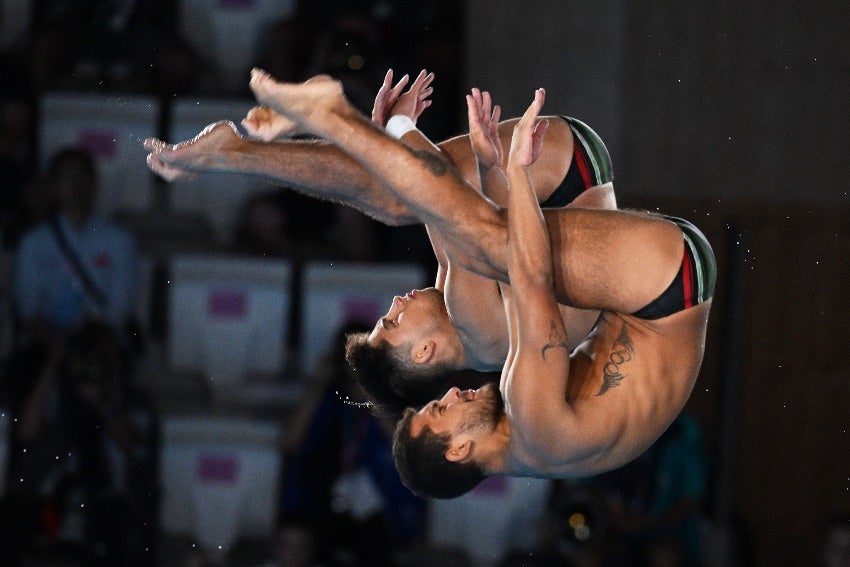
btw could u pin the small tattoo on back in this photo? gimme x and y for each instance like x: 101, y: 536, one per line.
x: 555, y: 340
x: 435, y: 164
x: 621, y: 352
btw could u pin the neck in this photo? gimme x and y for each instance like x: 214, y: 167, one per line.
x: 77, y: 217
x: 455, y: 352
x: 495, y: 452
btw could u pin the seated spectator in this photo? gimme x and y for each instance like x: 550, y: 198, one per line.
x: 655, y: 502
x: 83, y: 458
x: 286, y: 224
x: 340, y: 484
x: 76, y: 266
x: 836, y: 542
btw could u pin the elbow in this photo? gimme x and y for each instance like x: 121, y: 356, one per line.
x: 393, y: 215
x: 399, y: 220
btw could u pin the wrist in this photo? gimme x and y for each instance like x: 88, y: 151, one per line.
x: 398, y: 125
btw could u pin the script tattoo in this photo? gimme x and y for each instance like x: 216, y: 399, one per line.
x: 555, y: 340
x: 621, y: 352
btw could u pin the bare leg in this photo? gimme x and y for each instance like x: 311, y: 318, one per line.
x: 428, y: 184
x: 206, y: 152
x: 314, y: 168
x: 265, y: 124
x: 602, y: 259
x: 304, y: 103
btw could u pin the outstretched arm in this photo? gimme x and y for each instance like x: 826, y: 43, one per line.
x: 538, y: 364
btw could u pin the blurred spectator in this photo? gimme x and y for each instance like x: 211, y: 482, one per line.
x: 91, y: 44
x: 285, y: 50
x: 429, y: 35
x: 654, y: 504
x: 76, y: 266
x: 347, y: 40
x: 294, y: 545
x: 82, y: 480
x: 340, y: 486
x: 286, y: 224
x: 352, y: 50
x: 836, y: 542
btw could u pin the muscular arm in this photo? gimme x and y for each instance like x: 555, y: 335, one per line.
x: 535, y: 376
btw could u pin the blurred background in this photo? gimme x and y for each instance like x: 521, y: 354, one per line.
x: 213, y: 402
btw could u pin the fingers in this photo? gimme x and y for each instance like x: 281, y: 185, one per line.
x: 396, y: 90
x: 533, y: 109
x: 421, y: 86
x: 485, y: 110
x: 423, y: 80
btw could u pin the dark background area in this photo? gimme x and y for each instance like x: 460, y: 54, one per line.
x: 731, y: 114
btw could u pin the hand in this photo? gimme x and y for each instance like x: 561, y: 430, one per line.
x: 412, y: 103
x: 528, y: 134
x: 484, y: 129
x: 386, y: 98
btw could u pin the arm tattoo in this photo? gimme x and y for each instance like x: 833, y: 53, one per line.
x: 555, y: 340
x: 621, y: 352
x: 432, y: 162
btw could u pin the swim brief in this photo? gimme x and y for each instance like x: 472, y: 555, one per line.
x: 591, y: 165
x: 695, y: 281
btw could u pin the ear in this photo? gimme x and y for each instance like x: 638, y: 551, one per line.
x: 422, y: 352
x: 459, y: 452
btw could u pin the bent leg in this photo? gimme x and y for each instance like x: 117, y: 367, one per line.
x: 614, y: 260
x: 602, y: 259
x: 427, y: 183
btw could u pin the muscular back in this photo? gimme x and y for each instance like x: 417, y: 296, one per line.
x: 627, y: 383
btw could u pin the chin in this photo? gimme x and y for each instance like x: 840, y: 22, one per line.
x: 492, y: 404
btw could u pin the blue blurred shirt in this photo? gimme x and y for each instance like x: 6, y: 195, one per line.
x: 48, y: 285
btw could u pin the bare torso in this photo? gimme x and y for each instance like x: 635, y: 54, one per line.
x: 475, y: 302
x: 628, y: 381
x: 476, y: 306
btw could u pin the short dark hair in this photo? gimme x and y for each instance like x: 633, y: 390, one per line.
x: 71, y: 155
x: 422, y: 464
x: 390, y: 379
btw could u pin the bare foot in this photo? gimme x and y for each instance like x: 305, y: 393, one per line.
x: 265, y: 124
x: 206, y: 152
x: 307, y: 104
x: 166, y: 171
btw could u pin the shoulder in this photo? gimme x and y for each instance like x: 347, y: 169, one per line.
x: 36, y: 236
x: 115, y: 232
x: 570, y: 447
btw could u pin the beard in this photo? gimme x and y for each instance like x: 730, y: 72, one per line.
x: 489, y: 410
